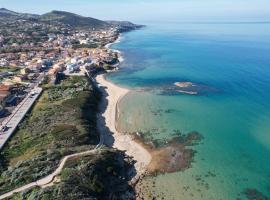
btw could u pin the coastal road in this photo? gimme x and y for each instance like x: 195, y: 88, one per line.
x: 12, y: 121
x: 10, y: 124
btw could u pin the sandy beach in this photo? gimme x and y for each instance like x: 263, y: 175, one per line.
x: 113, y: 95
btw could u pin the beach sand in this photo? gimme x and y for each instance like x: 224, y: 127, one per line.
x: 112, y: 94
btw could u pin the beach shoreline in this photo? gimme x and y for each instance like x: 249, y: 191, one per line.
x: 119, y: 53
x: 112, y: 95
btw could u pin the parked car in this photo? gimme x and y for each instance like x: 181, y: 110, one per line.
x: 4, y: 128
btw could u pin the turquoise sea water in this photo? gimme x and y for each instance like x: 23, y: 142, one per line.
x: 232, y: 61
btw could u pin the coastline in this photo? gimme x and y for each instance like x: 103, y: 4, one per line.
x: 149, y: 159
x: 115, y: 42
x: 112, y: 94
x: 119, y: 53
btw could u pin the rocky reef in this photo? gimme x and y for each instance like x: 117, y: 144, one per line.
x: 170, y: 155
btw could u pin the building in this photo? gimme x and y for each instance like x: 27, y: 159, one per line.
x: 25, y: 70
x: 4, y: 62
x: 5, y: 92
x: 73, y: 67
x: 20, y: 78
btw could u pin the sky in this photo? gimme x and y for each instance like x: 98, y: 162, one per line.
x: 151, y: 10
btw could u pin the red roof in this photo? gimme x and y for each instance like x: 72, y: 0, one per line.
x: 3, y: 95
x: 4, y: 87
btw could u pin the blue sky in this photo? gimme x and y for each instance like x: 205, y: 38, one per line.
x: 151, y: 10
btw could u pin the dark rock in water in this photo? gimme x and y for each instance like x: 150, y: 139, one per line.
x: 170, y: 155
x: 254, y: 194
x: 188, y: 88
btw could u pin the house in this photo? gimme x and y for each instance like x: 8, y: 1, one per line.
x: 5, y: 87
x: 73, y: 67
x: 14, y: 63
x: 47, y: 63
x: 36, y: 67
x: 51, y: 37
x: 32, y: 76
x: 74, y: 60
x: 55, y: 70
x: 20, y: 78
x: 25, y: 70
x: 3, y: 62
x: 5, y: 92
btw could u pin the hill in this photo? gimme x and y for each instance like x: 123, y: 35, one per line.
x: 67, y: 19
x: 124, y: 25
x: 73, y: 20
x: 9, y: 14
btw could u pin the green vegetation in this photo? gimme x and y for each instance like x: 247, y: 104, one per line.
x: 107, y: 66
x: 62, y: 122
x: 101, y: 175
x: 10, y: 69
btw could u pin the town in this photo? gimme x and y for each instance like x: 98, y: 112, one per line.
x: 51, y: 106
x: 34, y: 52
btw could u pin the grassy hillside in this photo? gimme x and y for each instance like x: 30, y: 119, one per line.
x: 62, y: 122
x: 101, y: 175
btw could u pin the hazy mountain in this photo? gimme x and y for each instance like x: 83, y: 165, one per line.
x: 9, y: 14
x: 72, y: 19
x: 124, y: 25
x: 67, y: 18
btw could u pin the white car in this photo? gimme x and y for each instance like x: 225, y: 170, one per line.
x: 33, y: 93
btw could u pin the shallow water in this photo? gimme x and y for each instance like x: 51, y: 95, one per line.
x: 234, y: 116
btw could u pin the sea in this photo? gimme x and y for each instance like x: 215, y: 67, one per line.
x: 229, y: 63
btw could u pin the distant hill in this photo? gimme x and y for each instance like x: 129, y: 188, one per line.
x: 9, y: 14
x: 66, y: 18
x: 124, y: 25
x: 6, y: 11
x: 72, y: 19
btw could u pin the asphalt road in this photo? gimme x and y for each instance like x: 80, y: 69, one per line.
x: 17, y: 115
x: 12, y: 121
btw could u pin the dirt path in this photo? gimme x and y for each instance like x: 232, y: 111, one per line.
x: 48, y: 180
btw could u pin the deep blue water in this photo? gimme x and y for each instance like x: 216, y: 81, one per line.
x: 233, y: 62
